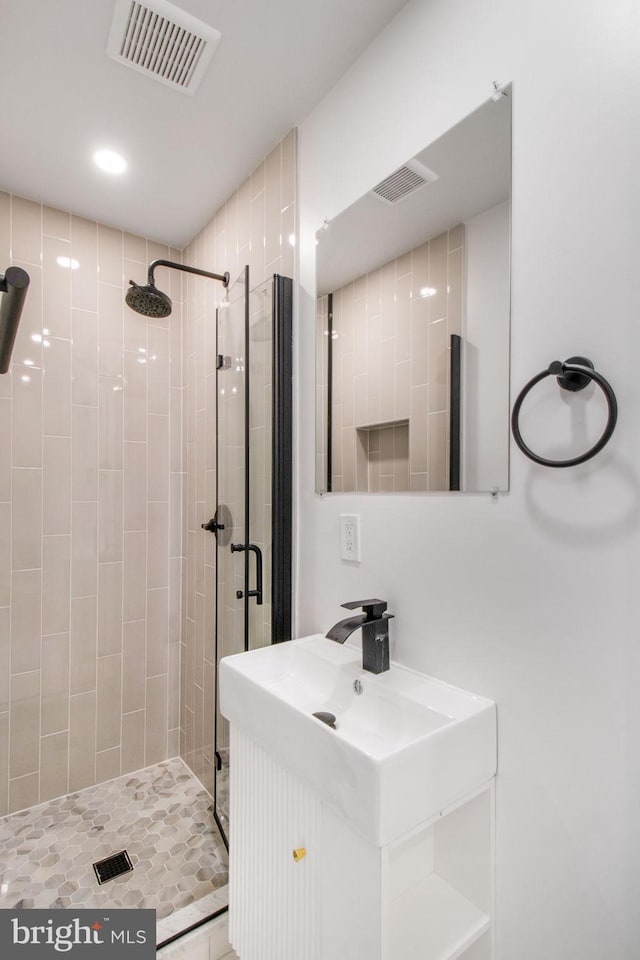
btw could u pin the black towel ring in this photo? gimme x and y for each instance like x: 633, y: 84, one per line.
x: 574, y: 374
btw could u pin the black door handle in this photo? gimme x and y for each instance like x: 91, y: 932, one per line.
x: 240, y: 548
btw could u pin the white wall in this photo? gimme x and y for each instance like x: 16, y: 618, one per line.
x: 485, y: 357
x: 530, y: 599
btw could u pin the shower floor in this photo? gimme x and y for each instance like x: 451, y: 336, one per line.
x: 161, y: 815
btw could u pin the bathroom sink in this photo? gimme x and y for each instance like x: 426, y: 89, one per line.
x: 404, y: 748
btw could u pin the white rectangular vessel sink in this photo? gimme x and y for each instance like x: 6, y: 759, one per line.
x: 403, y: 749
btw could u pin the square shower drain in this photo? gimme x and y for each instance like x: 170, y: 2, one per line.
x: 113, y: 866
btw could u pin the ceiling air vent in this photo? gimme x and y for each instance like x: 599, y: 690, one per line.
x: 163, y: 42
x: 402, y: 182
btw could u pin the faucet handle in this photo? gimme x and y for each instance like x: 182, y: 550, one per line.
x: 372, y: 608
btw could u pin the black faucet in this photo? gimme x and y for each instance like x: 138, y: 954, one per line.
x: 375, y: 632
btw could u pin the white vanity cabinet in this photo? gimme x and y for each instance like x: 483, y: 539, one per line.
x: 427, y: 896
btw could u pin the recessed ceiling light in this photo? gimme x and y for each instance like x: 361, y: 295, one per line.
x: 110, y: 161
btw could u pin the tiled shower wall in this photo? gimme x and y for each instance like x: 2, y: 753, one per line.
x: 90, y: 465
x: 392, y: 331
x: 257, y: 227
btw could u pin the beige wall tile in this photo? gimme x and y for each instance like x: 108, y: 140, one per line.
x: 5, y: 554
x: 456, y: 237
x: 55, y: 684
x: 84, y: 358
x: 4, y: 764
x: 56, y: 584
x: 56, y: 485
x: 24, y: 746
x: 135, y: 486
x: 438, y: 468
x: 109, y: 703
x: 84, y: 549
x: 401, y: 458
x: 24, y: 792
x: 158, y: 384
x: 110, y: 515
x: 133, y: 671
x: 56, y: 223
x: 82, y: 741
x: 25, y: 620
x: 84, y: 453
x: 5, y: 664
x: 5, y: 226
x: 56, y: 287
x: 26, y: 519
x: 438, y: 277
x: 173, y: 745
x: 134, y: 599
x: 135, y: 392
x: 108, y: 764
x: 54, y: 766
x: 174, y: 687
x: 110, y: 255
x: 110, y: 330
x: 289, y: 160
x: 157, y: 632
x: 134, y: 248
x: 133, y: 737
x: 403, y: 317
x: 175, y: 597
x: 419, y: 342
x: 26, y: 435
x: 5, y: 441
x: 111, y: 426
x: 83, y: 645
x: 420, y: 268
x: 156, y: 721
x: 84, y: 249
x: 455, y: 288
x: 158, y: 458
x: 26, y: 230
x: 157, y: 545
x: 418, y: 430
x: 403, y: 390
x: 109, y: 609
x: 438, y: 366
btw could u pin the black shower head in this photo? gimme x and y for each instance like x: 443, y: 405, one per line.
x: 151, y: 302
x: 148, y: 300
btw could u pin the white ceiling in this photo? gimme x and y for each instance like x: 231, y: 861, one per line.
x: 63, y: 98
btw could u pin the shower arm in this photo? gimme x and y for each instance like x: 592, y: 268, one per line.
x: 222, y: 277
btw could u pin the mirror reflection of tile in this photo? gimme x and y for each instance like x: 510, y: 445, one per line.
x: 391, y: 334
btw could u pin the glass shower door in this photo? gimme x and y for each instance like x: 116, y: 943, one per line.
x: 254, y: 463
x: 231, y: 511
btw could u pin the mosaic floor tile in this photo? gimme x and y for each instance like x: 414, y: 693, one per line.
x: 161, y: 815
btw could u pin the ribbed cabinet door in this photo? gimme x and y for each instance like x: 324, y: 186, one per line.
x: 274, y: 901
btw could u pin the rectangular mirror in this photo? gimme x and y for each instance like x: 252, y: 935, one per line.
x: 412, y: 321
